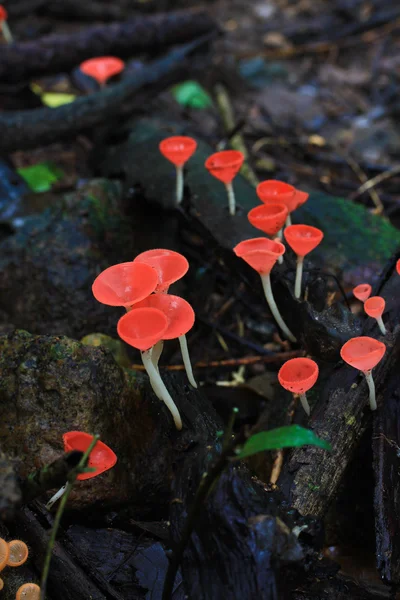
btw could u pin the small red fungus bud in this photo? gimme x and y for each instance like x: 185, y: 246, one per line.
x: 4, y: 553
x: 374, y: 307
x: 298, y: 375
x: 101, y: 68
x: 28, y: 591
x: 275, y: 191
x: 364, y: 353
x: 170, y: 266
x: 302, y: 239
x: 18, y: 553
x: 362, y: 292
x: 125, y: 284
x: 398, y: 266
x: 178, y: 149
x: 270, y: 218
x: 101, y: 458
x: 225, y: 166
x: 142, y: 327
x: 262, y: 254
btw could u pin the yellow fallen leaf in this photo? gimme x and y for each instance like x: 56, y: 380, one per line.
x: 53, y: 100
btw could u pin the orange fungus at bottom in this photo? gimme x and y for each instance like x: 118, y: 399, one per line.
x: 303, y: 238
x: 142, y: 327
x: 362, y: 292
x: 375, y: 306
x: 270, y: 218
x: 28, y: 591
x: 225, y: 165
x: 363, y: 352
x: 101, y: 458
x: 18, y: 553
x: 4, y: 553
x: 298, y: 375
x: 178, y: 149
x: 260, y: 253
x: 102, y: 68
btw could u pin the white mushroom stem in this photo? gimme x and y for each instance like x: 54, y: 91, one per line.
x: 179, y: 185
x: 186, y: 360
x: 299, y: 276
x: 159, y: 387
x: 371, y: 385
x: 6, y: 31
x: 231, y: 198
x: 266, y: 282
x: 381, y: 325
x: 156, y: 352
x: 304, y: 403
x: 56, y: 496
x: 288, y: 221
x: 279, y: 235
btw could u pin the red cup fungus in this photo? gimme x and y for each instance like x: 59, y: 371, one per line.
x: 364, y: 353
x: 5, y: 29
x: 362, y: 292
x: 270, y: 218
x: 275, y: 191
x: 125, y: 284
x: 261, y: 254
x: 101, y: 68
x: 302, y: 239
x: 398, y: 266
x: 374, y: 307
x: 225, y: 166
x: 28, y: 591
x: 298, y: 375
x: 178, y: 149
x: 301, y: 198
x: 170, y: 266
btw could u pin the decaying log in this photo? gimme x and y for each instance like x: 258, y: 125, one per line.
x: 27, y: 129
x: 55, y: 53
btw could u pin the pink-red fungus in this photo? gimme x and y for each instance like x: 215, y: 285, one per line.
x: 300, y: 197
x: 362, y: 292
x: 298, y: 375
x: 398, y: 266
x: 178, y: 149
x: 364, y: 353
x: 261, y: 254
x: 272, y: 190
x: 302, y: 239
x: 170, y: 266
x: 101, y: 68
x: 125, y: 284
x: 225, y: 166
x: 375, y: 307
x: 270, y: 218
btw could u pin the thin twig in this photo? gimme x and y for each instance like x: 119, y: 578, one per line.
x: 363, y: 177
x: 374, y: 181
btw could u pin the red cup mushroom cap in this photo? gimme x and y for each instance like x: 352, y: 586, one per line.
x: 362, y: 292
x: 179, y: 313
x: 298, y: 375
x: 125, y: 284
x: 3, y: 13
x: 28, y: 591
x: 225, y: 165
x: 270, y: 218
x: 260, y: 253
x: 101, y: 457
x: 102, y: 68
x: 363, y: 352
x: 303, y: 238
x: 300, y: 197
x: 4, y: 553
x: 170, y: 266
x: 398, y: 266
x: 273, y: 190
x: 375, y: 306
x: 178, y: 149
x: 142, y: 327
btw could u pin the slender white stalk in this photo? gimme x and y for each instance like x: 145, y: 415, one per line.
x: 159, y: 388
x: 288, y: 221
x: 56, y: 496
x: 6, y: 31
x: 304, y: 403
x: 280, y: 260
x: 299, y: 276
x: 156, y: 352
x: 279, y: 235
x: 231, y: 198
x: 266, y: 282
x: 186, y: 360
x: 381, y: 325
x: 371, y: 385
x: 179, y: 185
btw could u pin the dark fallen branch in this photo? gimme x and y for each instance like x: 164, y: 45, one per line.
x: 55, y: 53
x: 27, y: 129
x: 90, y: 10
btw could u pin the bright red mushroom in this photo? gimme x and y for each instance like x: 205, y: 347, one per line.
x: 298, y: 375
x: 125, y: 284
x: 300, y: 197
x: 170, y: 266
x: 262, y: 254
x: 374, y: 307
x: 102, y: 68
x: 178, y: 149
x: 364, y: 353
x: 270, y: 218
x: 143, y: 328
x: 398, y: 266
x: 225, y: 166
x: 101, y: 458
x: 302, y: 239
x: 362, y: 292
x: 275, y: 191
x: 6, y: 31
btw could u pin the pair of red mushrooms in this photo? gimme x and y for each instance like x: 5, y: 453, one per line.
x: 15, y: 554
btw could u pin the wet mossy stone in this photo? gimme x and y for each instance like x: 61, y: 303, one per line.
x: 48, y: 266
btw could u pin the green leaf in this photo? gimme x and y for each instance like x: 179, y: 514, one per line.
x: 190, y: 93
x: 282, y: 437
x: 56, y: 99
x: 41, y: 176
